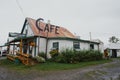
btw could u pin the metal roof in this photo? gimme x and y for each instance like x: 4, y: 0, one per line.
x: 62, y: 32
x: 113, y: 46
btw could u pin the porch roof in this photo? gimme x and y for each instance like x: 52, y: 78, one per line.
x: 17, y: 39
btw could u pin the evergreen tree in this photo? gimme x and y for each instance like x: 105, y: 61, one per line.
x: 113, y: 39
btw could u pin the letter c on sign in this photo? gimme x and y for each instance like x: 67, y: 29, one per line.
x: 38, y: 26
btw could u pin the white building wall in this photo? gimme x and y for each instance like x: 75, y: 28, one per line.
x: 41, y: 45
x: 110, y: 53
x: 101, y: 47
x: 29, y: 30
x: 84, y: 46
x: 95, y: 46
x: 63, y: 44
x: 118, y: 53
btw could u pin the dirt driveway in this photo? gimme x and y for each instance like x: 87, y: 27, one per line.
x: 107, y: 71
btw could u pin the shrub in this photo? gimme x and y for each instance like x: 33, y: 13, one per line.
x: 42, y: 54
x: 90, y: 55
x: 60, y: 58
x: 66, y: 56
x: 40, y: 59
x: 54, y: 53
x: 72, y: 56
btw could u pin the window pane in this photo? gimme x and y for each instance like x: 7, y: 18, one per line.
x: 76, y: 45
x: 56, y: 45
x: 91, y: 46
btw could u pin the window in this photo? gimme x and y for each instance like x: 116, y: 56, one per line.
x: 56, y: 45
x: 91, y: 46
x: 76, y: 45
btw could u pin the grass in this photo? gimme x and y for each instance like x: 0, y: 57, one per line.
x: 49, y: 66
x: 63, y: 66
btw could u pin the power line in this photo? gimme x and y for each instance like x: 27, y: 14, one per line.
x: 20, y: 8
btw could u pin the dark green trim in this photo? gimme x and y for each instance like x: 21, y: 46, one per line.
x: 73, y: 39
x: 40, y: 36
x: 24, y: 26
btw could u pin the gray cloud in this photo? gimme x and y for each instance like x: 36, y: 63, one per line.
x: 78, y: 16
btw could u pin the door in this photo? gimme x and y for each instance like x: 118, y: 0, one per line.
x: 114, y: 53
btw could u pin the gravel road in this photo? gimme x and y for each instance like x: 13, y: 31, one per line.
x: 107, y: 71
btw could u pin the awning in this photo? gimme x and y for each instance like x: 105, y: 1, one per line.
x: 17, y: 39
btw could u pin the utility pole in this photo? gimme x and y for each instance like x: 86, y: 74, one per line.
x: 47, y: 41
x: 90, y: 40
x: 38, y: 26
x: 39, y: 39
x: 90, y: 36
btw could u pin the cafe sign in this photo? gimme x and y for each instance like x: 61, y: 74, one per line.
x: 48, y: 27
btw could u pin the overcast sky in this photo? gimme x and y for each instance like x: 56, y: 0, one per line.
x: 100, y: 17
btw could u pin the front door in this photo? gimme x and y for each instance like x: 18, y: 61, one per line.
x: 114, y: 53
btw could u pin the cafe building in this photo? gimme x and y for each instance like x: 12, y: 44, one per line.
x: 37, y: 36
